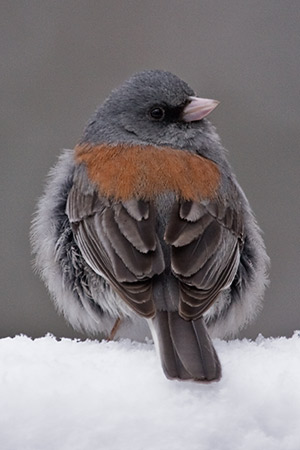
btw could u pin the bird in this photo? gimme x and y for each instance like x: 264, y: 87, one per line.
x: 143, y: 227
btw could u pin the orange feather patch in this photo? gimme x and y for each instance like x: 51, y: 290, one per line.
x: 122, y: 171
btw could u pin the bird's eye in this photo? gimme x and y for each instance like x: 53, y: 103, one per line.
x: 157, y: 113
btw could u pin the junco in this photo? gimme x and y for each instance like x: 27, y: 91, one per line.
x: 144, y: 221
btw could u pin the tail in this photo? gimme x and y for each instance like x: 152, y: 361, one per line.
x: 185, y: 348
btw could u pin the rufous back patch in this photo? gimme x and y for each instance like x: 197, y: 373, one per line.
x: 122, y: 171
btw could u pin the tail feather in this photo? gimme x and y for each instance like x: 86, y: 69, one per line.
x: 171, y: 364
x: 185, y: 348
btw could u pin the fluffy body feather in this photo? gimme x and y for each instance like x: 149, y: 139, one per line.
x: 145, y: 222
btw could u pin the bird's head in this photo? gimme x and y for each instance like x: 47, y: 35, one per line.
x: 153, y: 107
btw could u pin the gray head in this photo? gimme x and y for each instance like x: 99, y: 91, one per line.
x: 152, y: 107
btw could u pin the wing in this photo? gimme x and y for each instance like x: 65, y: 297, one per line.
x: 118, y: 241
x: 205, y: 253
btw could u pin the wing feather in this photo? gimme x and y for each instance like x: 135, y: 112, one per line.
x: 129, y: 254
x: 207, y: 263
x: 137, y: 232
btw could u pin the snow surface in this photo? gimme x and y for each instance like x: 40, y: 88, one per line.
x: 113, y: 396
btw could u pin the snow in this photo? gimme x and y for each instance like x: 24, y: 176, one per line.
x: 94, y: 395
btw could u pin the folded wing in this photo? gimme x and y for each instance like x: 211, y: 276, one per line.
x: 205, y: 239
x: 118, y: 241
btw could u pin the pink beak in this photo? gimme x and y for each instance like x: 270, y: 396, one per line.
x: 198, y: 108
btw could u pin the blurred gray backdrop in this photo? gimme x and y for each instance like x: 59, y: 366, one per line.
x: 60, y: 59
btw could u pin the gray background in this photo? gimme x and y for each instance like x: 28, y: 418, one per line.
x: 59, y: 59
